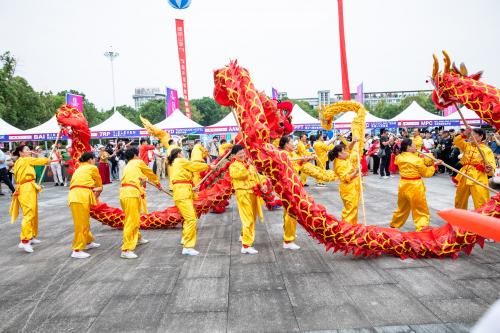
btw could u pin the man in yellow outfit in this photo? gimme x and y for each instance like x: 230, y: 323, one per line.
x: 244, y: 179
x: 302, y: 151
x: 224, y: 146
x: 473, y: 166
x: 348, y: 173
x: 85, y: 182
x: 411, y: 193
x: 171, y: 146
x: 133, y: 200
x: 26, y: 196
x: 198, y: 154
x: 289, y: 222
x: 182, y: 180
x: 321, y: 148
x: 417, y: 140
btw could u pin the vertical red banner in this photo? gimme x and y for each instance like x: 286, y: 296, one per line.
x: 343, y: 58
x: 181, y: 47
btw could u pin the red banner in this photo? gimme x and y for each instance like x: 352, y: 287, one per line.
x: 343, y: 58
x: 181, y: 46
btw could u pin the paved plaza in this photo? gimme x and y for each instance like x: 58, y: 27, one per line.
x: 220, y: 290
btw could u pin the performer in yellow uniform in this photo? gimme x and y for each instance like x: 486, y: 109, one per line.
x: 290, y: 223
x: 85, y: 182
x: 198, y: 154
x: 348, y: 173
x: 182, y: 180
x: 321, y: 149
x: 224, y: 145
x: 411, y: 193
x: 473, y: 166
x: 171, y: 146
x: 26, y: 196
x: 417, y: 140
x: 133, y: 200
x: 302, y: 151
x: 244, y: 178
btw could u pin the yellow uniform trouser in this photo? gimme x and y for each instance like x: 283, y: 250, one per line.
x: 189, y: 226
x: 132, y: 223
x: 248, y: 208
x: 349, y: 192
x: 480, y: 195
x: 28, y: 200
x: 303, y: 178
x: 81, y: 221
x: 322, y: 166
x: 411, y: 197
x: 289, y: 227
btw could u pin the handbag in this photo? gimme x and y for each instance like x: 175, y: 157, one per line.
x: 381, y: 152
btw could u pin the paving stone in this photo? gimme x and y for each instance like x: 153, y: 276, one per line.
x: 260, y: 276
x: 321, y: 303
x: 441, y: 328
x: 393, y: 329
x: 462, y: 309
x: 487, y: 289
x: 187, y: 322
x: 358, y: 272
x: 302, y: 261
x: 65, y: 324
x: 136, y: 313
x: 428, y: 283
x: 148, y: 281
x: 488, y: 255
x: 199, y: 295
x: 386, y: 304
x: 261, y: 311
x: 463, y: 269
x: 266, y: 255
x: 205, y: 266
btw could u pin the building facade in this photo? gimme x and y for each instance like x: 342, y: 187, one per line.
x: 143, y: 95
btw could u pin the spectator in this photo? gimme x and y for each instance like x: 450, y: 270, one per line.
x: 428, y: 143
x: 213, y: 148
x: 144, y: 149
x: 373, y: 153
x: 443, y: 150
x: 4, y: 173
x: 385, y: 154
x: 104, y: 165
x: 160, y: 161
x: 55, y: 166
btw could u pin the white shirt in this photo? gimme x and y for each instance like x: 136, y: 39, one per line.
x: 429, y: 143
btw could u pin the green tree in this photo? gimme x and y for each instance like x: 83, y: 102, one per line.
x: 210, y: 111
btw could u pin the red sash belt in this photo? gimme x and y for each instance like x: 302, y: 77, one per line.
x: 183, y: 182
x: 478, y: 166
x: 409, y: 178
x: 134, y: 186
x: 16, y: 193
x: 81, y: 186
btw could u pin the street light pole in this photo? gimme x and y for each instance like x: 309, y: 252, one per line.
x: 111, y: 55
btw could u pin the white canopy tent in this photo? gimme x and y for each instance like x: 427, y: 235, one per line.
x: 225, y: 125
x: 116, y: 126
x: 6, y: 128
x: 416, y: 116
x: 303, y: 121
x: 46, y: 131
x: 345, y: 120
x: 179, y: 123
x: 469, y: 115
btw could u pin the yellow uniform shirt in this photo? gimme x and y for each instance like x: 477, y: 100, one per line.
x: 199, y: 153
x: 418, y: 141
x: 302, y: 149
x: 322, y: 149
x: 472, y: 158
x: 343, y: 169
x: 87, y: 176
x: 171, y: 147
x: 134, y: 171
x: 243, y: 177
x: 182, y: 171
x: 412, y: 166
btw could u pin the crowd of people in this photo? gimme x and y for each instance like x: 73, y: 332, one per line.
x: 414, y: 156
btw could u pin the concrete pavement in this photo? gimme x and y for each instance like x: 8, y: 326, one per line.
x: 223, y: 291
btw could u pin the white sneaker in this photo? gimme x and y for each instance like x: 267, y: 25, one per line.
x: 128, y: 255
x: 92, y: 246
x: 34, y: 241
x: 26, y: 247
x: 240, y: 239
x: 142, y: 241
x: 291, y: 246
x: 386, y: 177
x: 248, y: 250
x: 80, y: 255
x: 189, y: 251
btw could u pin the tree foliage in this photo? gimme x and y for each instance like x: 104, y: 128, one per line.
x: 387, y: 111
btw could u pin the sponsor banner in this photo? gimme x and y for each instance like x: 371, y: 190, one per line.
x: 221, y: 129
x: 75, y: 101
x: 172, y: 101
x: 449, y: 110
x: 369, y: 125
x: 181, y: 48
x: 429, y: 123
x: 274, y: 93
x: 184, y: 131
x: 307, y: 127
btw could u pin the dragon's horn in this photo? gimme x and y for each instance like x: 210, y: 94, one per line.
x: 447, y: 62
x: 463, y: 69
x: 455, y: 68
x: 435, y: 68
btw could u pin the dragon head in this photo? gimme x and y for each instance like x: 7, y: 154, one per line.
x: 445, y: 82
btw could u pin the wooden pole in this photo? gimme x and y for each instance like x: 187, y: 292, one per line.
x: 52, y: 152
x: 160, y: 189
x: 211, y: 172
x: 360, y: 175
x: 459, y: 172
